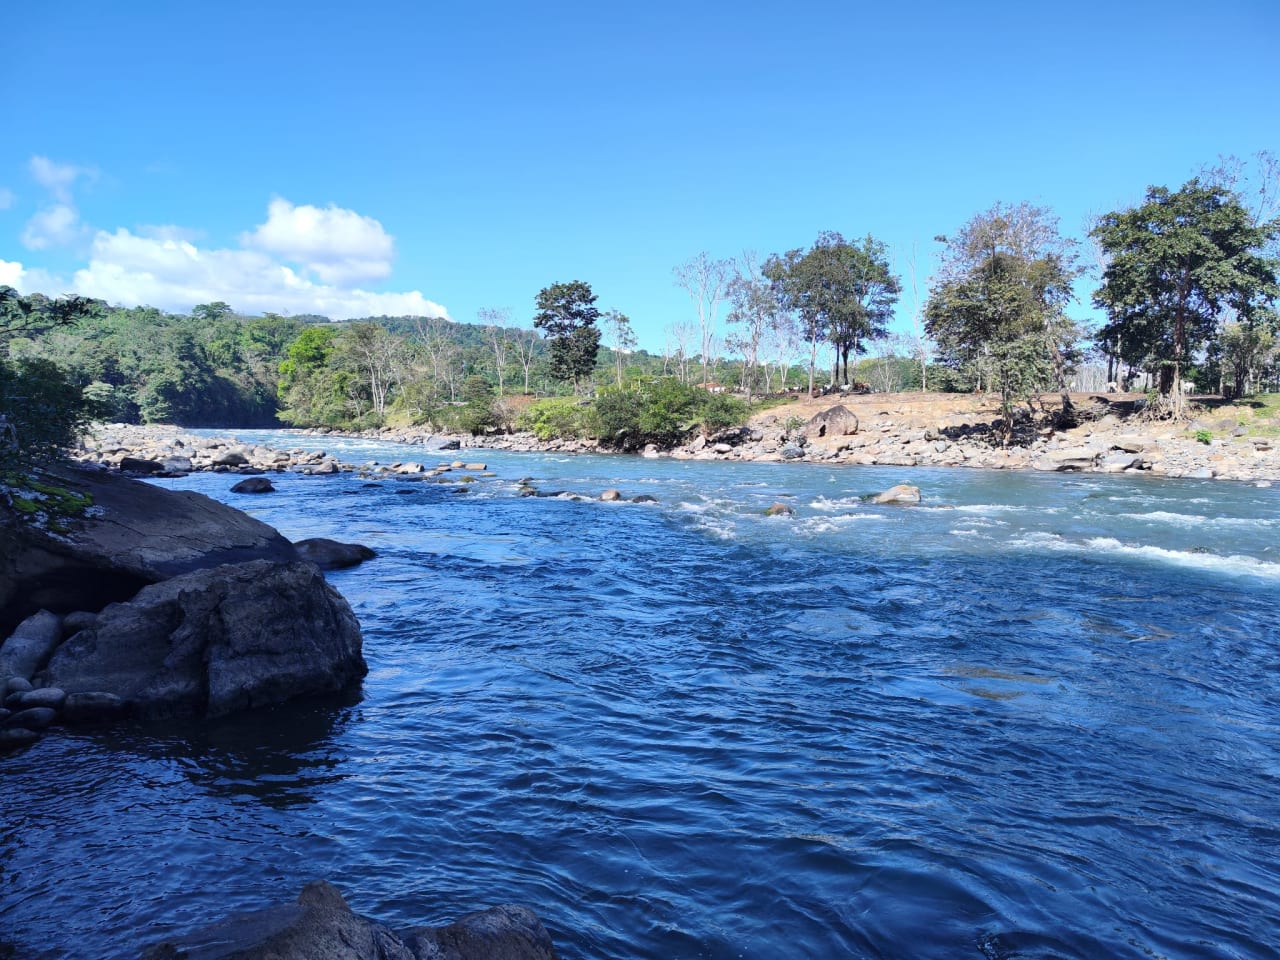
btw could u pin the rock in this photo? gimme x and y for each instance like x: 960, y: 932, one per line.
x: 1128, y: 444
x: 14, y: 738
x: 176, y: 464
x: 450, y: 445
x: 500, y: 933
x: 644, y: 498
x: 902, y: 493
x: 50, y: 697
x: 217, y: 640
x: 36, y: 718
x: 1120, y: 462
x: 325, y: 469
x: 332, y: 554
x: 136, y: 534
x: 650, y: 451
x: 1077, y: 458
x: 406, y: 469
x: 77, y: 620
x: 722, y: 448
x: 230, y: 458
x: 611, y: 495
x: 780, y: 510
x: 93, y: 707
x: 254, y: 485
x: 791, y: 452
x: 16, y: 684
x: 837, y: 421
x: 1202, y: 473
x: 699, y: 442
x: 30, y: 645
x: 475, y: 466
x: 140, y: 466
x: 321, y: 926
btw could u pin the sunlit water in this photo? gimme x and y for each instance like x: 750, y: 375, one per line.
x: 1036, y: 716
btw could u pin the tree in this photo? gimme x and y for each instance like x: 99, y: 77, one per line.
x: 1246, y: 349
x: 1175, y: 264
x: 378, y: 358
x: 568, y: 314
x: 495, y: 332
x: 526, y: 345
x: 999, y: 304
x: 755, y: 308
x: 706, y: 281
x: 622, y: 339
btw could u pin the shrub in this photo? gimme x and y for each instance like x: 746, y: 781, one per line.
x: 557, y: 417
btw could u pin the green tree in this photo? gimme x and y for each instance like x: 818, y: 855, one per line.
x: 998, y: 307
x: 1174, y: 265
x: 568, y: 314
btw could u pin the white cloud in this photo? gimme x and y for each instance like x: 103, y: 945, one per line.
x: 54, y: 226
x: 11, y: 274
x: 58, y: 178
x: 6, y: 198
x: 333, y: 245
x: 174, y: 274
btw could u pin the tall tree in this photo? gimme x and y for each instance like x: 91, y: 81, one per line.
x: 622, y: 339
x: 999, y: 303
x: 1175, y: 264
x: 754, y: 309
x: 706, y: 280
x: 495, y: 333
x: 567, y: 313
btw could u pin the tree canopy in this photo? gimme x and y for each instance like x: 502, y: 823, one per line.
x: 1175, y: 265
x: 567, y: 313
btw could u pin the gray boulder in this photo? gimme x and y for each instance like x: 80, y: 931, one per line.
x: 332, y: 554
x: 30, y: 645
x: 253, y: 485
x: 837, y: 421
x: 901, y: 493
x: 213, y: 641
x: 321, y: 926
x: 135, y: 534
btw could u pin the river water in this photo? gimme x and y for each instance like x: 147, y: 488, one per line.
x: 1036, y: 716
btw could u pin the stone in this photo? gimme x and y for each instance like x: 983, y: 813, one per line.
x: 650, y: 451
x: 475, y: 466
x: 77, y: 620
x: 1071, y: 459
x: 141, y: 466
x: 611, y: 495
x: 450, y: 445
x: 332, y: 554
x: 791, y: 452
x: 1120, y: 462
x: 722, y: 448
x: 326, y: 468
x: 780, y: 510
x: 506, y: 932
x: 321, y: 926
x: 93, y: 707
x: 35, y: 718
x: 837, y: 421
x: 901, y: 493
x: 30, y: 645
x: 644, y: 498
x: 50, y: 697
x: 217, y: 640
x: 230, y: 458
x: 254, y: 485
x: 136, y: 534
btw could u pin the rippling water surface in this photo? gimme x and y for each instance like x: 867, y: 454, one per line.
x: 1034, y: 717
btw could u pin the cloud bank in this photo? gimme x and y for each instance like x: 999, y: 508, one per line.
x: 302, y: 259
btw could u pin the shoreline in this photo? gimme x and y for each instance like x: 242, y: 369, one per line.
x: 888, y: 432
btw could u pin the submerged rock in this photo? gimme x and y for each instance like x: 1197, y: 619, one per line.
x: 321, y: 926
x: 333, y: 554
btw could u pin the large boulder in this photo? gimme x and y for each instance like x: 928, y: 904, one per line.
x: 30, y: 645
x: 212, y: 641
x: 321, y: 926
x: 134, y: 534
x: 837, y: 421
x: 900, y: 493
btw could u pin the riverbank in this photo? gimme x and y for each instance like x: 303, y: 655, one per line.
x: 1224, y: 441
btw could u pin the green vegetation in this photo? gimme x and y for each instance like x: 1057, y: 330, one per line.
x: 1204, y: 436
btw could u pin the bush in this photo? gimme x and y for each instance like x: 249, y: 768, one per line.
x: 42, y: 412
x: 557, y: 417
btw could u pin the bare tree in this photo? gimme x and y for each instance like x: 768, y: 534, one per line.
x: 755, y: 307
x: 441, y: 353
x: 622, y: 338
x: 379, y: 358
x: 706, y: 281
x: 920, y: 346
x: 526, y: 343
x: 496, y: 322
x: 678, y: 337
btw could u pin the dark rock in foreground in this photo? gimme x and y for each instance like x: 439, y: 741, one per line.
x: 214, y: 641
x: 320, y: 926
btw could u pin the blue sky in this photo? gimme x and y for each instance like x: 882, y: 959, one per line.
x: 394, y: 156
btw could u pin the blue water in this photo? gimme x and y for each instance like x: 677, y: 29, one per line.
x: 1035, y: 717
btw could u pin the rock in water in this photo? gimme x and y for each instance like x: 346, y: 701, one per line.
x: 213, y: 641
x: 30, y: 645
x: 253, y: 485
x: 902, y: 493
x: 779, y: 510
x: 320, y: 926
x: 332, y: 554
x: 134, y: 535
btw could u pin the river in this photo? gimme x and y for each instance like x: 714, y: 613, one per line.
x: 1036, y: 716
